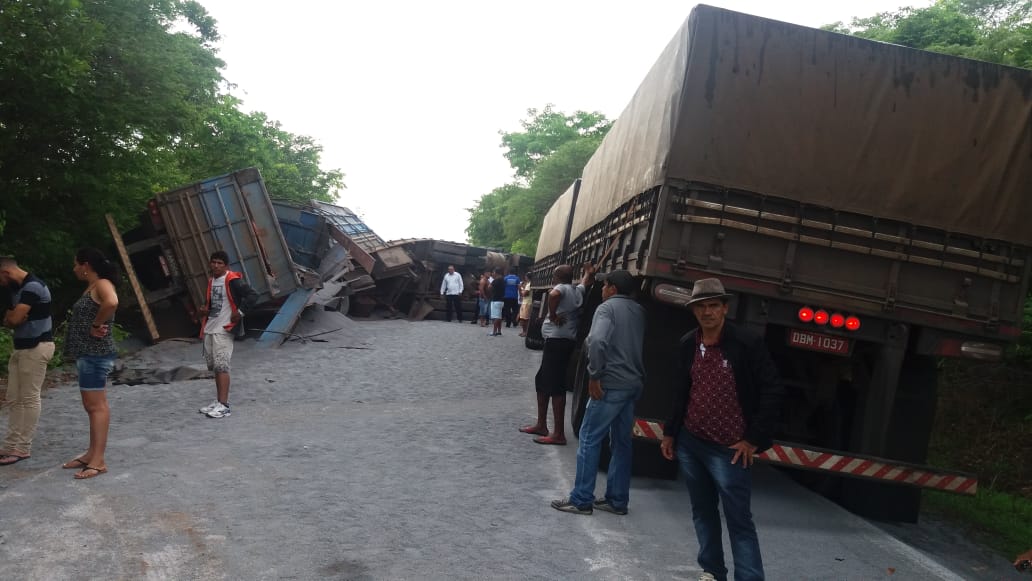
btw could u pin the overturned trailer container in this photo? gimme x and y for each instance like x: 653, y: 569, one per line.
x: 166, y: 258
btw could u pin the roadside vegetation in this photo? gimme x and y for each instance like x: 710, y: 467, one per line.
x: 107, y: 102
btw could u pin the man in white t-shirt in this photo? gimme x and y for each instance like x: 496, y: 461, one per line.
x: 451, y: 290
x: 228, y: 297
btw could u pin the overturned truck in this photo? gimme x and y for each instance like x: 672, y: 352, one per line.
x: 866, y: 204
x: 294, y: 255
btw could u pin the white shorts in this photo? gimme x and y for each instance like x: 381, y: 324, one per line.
x: 496, y: 310
x: 218, y: 350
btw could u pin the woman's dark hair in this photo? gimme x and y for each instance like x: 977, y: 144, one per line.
x: 99, y: 263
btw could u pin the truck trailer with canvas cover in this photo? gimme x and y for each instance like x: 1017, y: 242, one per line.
x: 865, y: 203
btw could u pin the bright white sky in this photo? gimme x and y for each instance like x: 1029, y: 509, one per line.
x: 407, y: 97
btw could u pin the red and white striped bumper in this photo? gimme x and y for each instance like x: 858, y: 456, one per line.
x: 795, y: 456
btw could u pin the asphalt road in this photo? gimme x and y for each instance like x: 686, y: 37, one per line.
x: 387, y: 451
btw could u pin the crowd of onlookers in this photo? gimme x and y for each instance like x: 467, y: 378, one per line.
x: 502, y: 297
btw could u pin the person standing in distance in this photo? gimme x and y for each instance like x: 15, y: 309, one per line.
x: 526, y: 303
x: 616, y: 378
x: 497, y: 290
x: 511, y: 299
x: 484, y: 298
x: 727, y: 400
x: 228, y: 298
x: 451, y: 290
x: 29, y: 317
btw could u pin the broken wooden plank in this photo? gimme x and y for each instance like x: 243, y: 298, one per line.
x: 130, y: 272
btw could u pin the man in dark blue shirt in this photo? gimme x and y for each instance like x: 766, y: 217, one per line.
x: 29, y: 316
x: 512, y: 297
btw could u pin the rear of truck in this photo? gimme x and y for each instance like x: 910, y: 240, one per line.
x: 863, y: 202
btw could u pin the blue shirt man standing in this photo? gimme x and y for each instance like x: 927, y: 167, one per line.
x: 512, y: 298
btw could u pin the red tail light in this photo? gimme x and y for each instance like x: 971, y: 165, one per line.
x: 837, y: 320
x: 820, y: 317
x: 806, y: 314
x: 852, y: 323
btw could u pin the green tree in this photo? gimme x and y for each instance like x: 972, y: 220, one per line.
x: 992, y: 30
x: 105, y: 102
x: 547, y: 156
x: 545, y: 132
x: 88, y: 90
x: 229, y: 139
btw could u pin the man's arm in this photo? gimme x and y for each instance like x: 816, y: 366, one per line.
x: 444, y: 284
x: 598, y: 340
x: 554, y: 296
x: 16, y: 316
x: 462, y: 285
x: 20, y: 312
x: 244, y: 296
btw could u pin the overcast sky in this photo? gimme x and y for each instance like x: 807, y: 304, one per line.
x: 407, y: 98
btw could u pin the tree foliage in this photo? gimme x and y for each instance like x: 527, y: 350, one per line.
x: 546, y: 157
x: 998, y: 31
x: 545, y: 132
x: 105, y: 102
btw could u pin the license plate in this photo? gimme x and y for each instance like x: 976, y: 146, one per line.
x: 818, y: 342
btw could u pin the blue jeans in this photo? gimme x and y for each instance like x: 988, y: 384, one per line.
x: 711, y: 477
x: 93, y: 371
x: 613, y: 414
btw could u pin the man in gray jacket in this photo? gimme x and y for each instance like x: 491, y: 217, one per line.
x: 616, y: 374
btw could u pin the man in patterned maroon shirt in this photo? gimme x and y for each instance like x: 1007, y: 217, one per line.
x: 728, y: 397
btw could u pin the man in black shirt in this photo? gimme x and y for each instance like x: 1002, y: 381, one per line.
x: 29, y: 316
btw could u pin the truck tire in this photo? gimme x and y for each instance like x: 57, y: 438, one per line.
x: 534, y: 339
x: 910, y: 428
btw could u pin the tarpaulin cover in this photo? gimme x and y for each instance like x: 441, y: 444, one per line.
x: 554, y: 225
x: 828, y: 119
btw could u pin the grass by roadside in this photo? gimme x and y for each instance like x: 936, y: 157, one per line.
x: 998, y: 520
x: 984, y: 426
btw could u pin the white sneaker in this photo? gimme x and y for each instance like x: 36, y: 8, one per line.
x: 209, y: 407
x: 221, y: 411
x: 707, y: 577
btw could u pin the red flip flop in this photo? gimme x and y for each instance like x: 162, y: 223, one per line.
x: 533, y: 430
x: 549, y: 441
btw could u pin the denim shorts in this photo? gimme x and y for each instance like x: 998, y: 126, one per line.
x: 93, y: 371
x: 496, y: 310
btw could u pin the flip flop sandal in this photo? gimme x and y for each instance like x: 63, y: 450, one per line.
x: 75, y: 464
x: 5, y: 462
x: 82, y: 474
x: 533, y: 430
x: 549, y: 441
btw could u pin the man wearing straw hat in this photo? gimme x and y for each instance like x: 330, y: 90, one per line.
x: 727, y: 400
